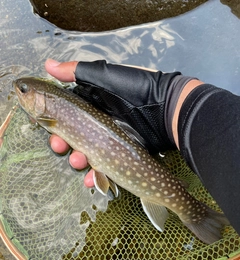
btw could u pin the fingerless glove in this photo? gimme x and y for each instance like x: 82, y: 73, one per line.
x: 135, y: 97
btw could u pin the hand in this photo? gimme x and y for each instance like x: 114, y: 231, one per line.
x: 65, y: 72
x: 141, y: 114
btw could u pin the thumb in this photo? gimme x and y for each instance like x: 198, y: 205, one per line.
x: 64, y: 71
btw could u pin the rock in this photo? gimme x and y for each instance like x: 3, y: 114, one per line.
x: 100, y: 15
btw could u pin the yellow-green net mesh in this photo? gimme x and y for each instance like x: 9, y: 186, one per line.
x: 47, y: 213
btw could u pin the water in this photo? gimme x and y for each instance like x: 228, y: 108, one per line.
x: 203, y: 43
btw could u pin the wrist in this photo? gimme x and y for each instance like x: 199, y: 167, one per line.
x: 192, y: 84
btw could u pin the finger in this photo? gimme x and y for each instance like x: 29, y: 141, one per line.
x: 88, y: 180
x: 64, y: 71
x: 58, y: 144
x: 78, y: 160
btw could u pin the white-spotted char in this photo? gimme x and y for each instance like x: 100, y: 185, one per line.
x: 111, y: 153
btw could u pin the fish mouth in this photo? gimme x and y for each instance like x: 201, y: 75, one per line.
x: 14, y: 84
x: 16, y: 88
x: 19, y: 95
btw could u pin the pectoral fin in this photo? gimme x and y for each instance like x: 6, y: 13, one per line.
x: 101, y: 182
x: 157, y: 214
x: 113, y: 191
x: 105, y: 186
x: 46, y: 121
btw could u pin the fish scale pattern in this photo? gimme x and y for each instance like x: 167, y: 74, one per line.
x: 39, y: 209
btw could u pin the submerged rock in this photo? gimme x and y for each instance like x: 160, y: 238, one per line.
x: 98, y: 15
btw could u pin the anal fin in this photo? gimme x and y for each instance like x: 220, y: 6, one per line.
x: 156, y: 213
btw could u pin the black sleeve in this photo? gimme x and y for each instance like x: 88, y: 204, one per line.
x: 209, y: 139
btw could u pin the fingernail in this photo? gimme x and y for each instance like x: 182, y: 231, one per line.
x: 53, y: 63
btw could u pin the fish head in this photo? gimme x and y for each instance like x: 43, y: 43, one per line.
x: 31, y: 93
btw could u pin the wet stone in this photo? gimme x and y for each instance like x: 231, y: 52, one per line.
x: 98, y: 15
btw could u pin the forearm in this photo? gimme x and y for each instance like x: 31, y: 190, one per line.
x: 208, y: 129
x: 191, y: 85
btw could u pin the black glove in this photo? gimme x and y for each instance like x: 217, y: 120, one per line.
x: 135, y: 97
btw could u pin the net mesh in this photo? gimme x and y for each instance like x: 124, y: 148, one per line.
x: 47, y: 213
x: 41, y: 197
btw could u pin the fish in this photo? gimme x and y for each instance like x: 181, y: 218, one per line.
x: 116, y: 159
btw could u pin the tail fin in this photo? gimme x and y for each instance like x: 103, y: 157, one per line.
x: 209, y: 228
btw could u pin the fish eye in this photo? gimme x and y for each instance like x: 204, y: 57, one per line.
x: 23, y: 88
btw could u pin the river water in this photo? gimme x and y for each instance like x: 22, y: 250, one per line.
x: 203, y: 43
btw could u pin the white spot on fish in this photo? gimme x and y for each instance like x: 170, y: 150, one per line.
x: 116, y: 161
x: 128, y: 173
